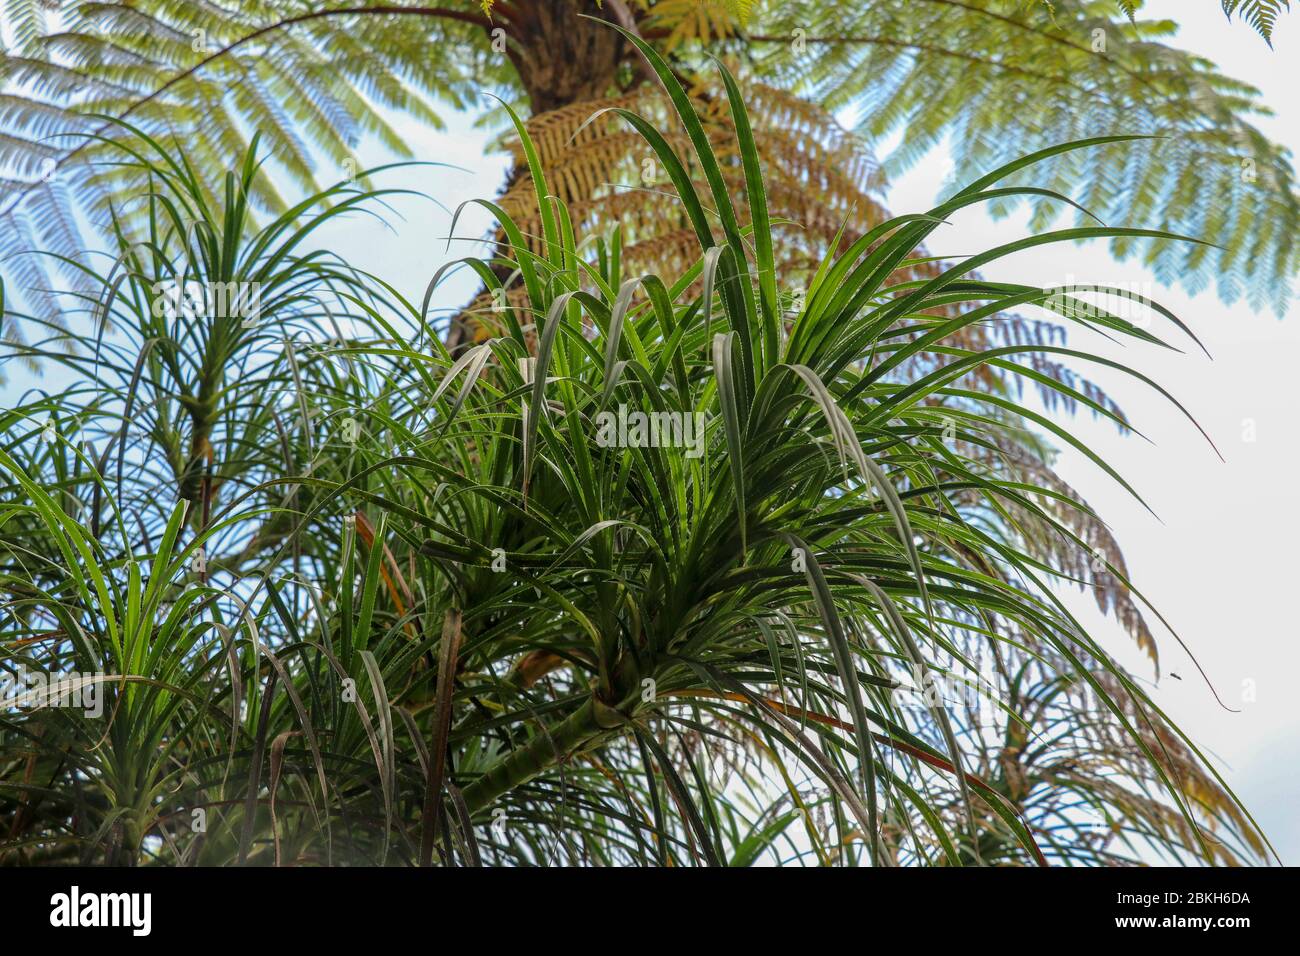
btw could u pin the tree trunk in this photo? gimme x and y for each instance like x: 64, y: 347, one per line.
x: 561, y: 59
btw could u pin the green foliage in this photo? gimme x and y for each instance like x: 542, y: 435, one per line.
x: 995, y: 82
x: 439, y: 618
x: 1260, y: 14
x: 312, y: 83
x: 995, y: 79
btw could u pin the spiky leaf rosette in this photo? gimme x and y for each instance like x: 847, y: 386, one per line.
x: 502, y: 627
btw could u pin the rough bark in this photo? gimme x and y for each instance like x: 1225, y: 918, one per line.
x: 561, y: 58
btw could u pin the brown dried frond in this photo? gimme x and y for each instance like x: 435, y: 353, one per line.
x: 1098, y: 757
x: 819, y: 177
x: 1087, y: 566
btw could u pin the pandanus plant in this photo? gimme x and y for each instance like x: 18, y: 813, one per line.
x: 441, y: 617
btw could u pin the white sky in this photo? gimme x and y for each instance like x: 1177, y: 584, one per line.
x: 1221, y: 565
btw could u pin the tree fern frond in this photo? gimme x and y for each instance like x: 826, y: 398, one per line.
x: 1055, y: 77
x: 920, y: 66
x: 1260, y: 14
x: 26, y: 20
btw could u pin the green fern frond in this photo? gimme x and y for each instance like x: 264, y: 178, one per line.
x: 26, y: 20
x: 1005, y: 81
x: 995, y: 82
x: 1260, y: 14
